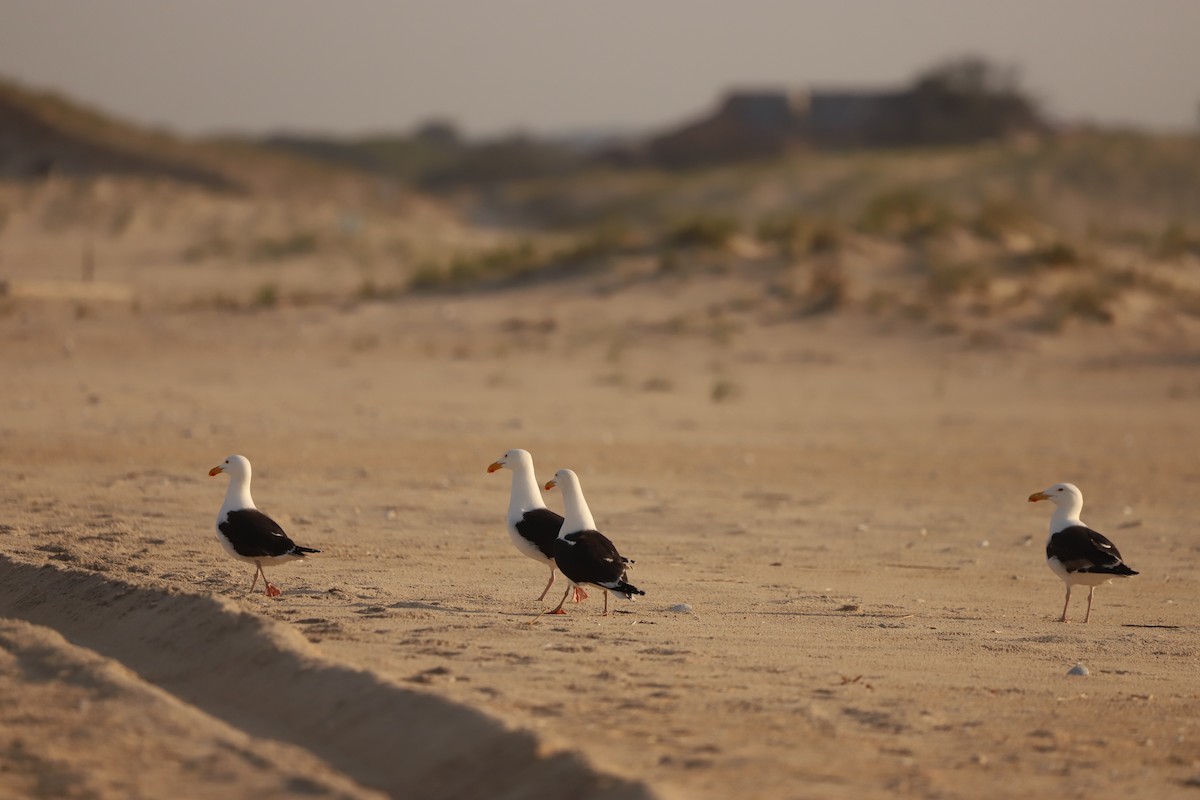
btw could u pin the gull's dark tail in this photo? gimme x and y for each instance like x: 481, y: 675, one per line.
x: 300, y: 551
x: 626, y: 590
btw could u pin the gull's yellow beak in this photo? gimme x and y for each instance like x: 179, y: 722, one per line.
x: 1033, y: 498
x: 215, y: 471
x: 495, y: 465
x: 550, y: 484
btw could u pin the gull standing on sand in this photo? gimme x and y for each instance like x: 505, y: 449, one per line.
x: 531, y: 526
x: 584, y: 554
x: 248, y: 534
x: 1076, y: 553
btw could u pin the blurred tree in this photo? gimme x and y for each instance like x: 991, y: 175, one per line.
x: 969, y: 99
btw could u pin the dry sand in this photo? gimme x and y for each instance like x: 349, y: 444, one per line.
x: 871, y: 611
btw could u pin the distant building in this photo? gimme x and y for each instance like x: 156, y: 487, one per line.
x: 851, y: 118
x: 939, y: 108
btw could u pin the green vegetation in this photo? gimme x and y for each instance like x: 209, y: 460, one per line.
x: 997, y: 219
x: 467, y: 269
x: 798, y: 235
x: 1178, y: 240
x: 710, y: 231
x: 267, y: 296
x: 1086, y: 302
x: 909, y: 213
x: 1089, y: 302
x: 273, y: 248
x: 947, y: 279
x: 1056, y: 255
x: 294, y: 245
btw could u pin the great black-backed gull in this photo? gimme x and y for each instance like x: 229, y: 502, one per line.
x: 584, y: 554
x: 248, y: 534
x: 531, y: 526
x: 1076, y: 553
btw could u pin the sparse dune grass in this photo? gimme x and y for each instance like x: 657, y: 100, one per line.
x: 999, y: 219
x: 910, y: 213
x: 949, y: 278
x: 711, y: 231
x: 806, y: 235
x: 1177, y: 240
x: 799, y: 235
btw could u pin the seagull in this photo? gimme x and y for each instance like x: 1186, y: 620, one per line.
x: 584, y: 554
x: 248, y: 534
x: 1075, y: 552
x: 531, y: 526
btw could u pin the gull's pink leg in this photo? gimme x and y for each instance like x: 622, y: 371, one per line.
x: 605, y: 614
x: 559, y: 609
x: 1089, y: 611
x: 580, y: 594
x: 1064, y: 616
x: 542, y: 596
x: 254, y: 582
x: 269, y: 589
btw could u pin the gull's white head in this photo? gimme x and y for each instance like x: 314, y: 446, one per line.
x: 576, y: 514
x: 236, y: 466
x: 511, y: 460
x: 565, y: 477
x: 1063, y: 495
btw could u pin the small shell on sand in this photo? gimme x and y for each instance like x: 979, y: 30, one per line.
x: 682, y: 608
x: 1078, y: 669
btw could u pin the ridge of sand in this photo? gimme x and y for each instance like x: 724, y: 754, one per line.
x: 401, y: 741
x: 76, y: 724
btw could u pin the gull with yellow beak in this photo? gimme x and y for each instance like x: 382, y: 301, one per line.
x: 248, y: 534
x: 1075, y: 552
x: 531, y: 526
x: 583, y: 554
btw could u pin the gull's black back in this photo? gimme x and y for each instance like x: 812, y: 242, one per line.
x: 255, y: 535
x: 589, y: 557
x: 1081, y: 549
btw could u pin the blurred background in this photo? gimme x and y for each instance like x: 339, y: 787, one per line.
x: 990, y: 170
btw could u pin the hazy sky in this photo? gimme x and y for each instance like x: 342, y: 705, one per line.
x: 349, y: 66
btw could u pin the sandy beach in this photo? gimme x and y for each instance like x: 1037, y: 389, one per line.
x: 843, y: 510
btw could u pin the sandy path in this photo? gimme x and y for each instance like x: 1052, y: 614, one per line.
x: 873, y: 615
